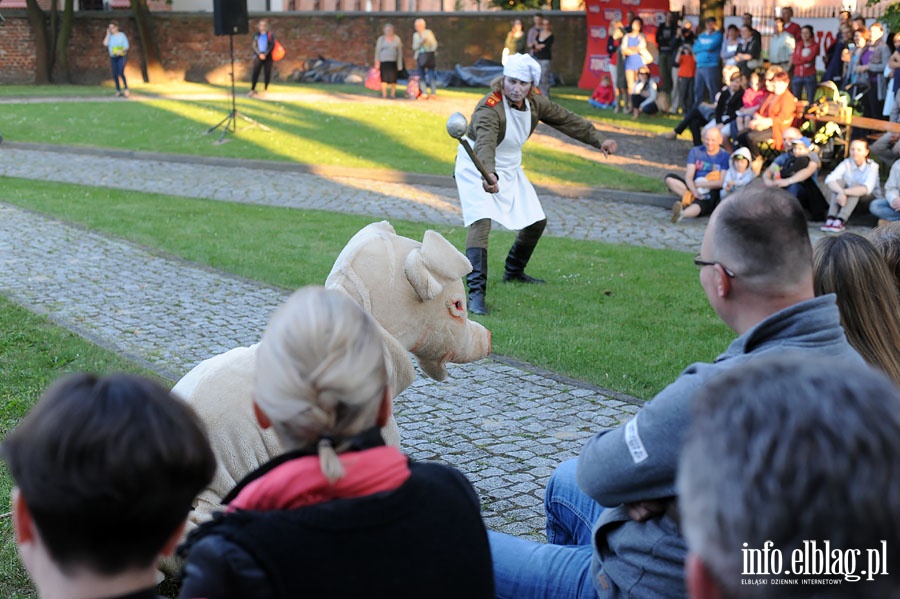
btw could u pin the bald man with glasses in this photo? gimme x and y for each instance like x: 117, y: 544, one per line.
x: 755, y: 265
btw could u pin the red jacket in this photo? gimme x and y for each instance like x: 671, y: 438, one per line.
x: 781, y: 110
x: 805, y: 64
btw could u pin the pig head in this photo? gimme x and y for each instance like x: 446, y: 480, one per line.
x: 415, y: 291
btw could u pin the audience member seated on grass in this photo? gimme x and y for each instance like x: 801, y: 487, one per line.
x: 756, y: 269
x: 795, y: 171
x: 604, y: 95
x: 886, y: 239
x: 774, y: 116
x: 719, y: 114
x: 888, y: 208
x: 339, y: 514
x: 739, y: 174
x: 854, y: 179
x: 106, y: 470
x: 747, y: 481
x: 850, y: 267
x: 700, y: 189
x: 643, y: 100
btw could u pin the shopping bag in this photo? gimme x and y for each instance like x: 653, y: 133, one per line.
x: 277, y: 51
x: 373, y: 79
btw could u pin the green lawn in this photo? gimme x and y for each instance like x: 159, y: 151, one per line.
x: 622, y: 317
x: 316, y: 130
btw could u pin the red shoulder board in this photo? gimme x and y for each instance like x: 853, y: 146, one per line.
x: 493, y: 99
x: 537, y: 90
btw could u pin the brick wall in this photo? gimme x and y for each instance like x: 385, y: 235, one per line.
x: 192, y: 52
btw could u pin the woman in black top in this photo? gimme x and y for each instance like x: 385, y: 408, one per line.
x: 543, y: 53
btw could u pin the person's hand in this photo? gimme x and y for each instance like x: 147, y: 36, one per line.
x: 782, y: 183
x: 841, y: 198
x: 641, y: 511
x: 608, y: 147
x: 490, y: 184
x: 262, y: 55
x: 895, y: 137
x: 895, y: 203
x: 768, y: 182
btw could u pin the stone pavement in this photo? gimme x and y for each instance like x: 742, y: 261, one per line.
x: 505, y: 425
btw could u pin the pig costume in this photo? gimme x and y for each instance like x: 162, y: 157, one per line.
x: 498, y: 130
x: 415, y: 293
x: 339, y: 513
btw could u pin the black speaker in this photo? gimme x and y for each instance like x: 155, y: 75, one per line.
x: 230, y: 17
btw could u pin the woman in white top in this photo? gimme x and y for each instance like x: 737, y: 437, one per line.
x: 855, y: 178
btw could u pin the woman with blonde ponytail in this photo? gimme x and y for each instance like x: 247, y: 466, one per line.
x: 339, y: 513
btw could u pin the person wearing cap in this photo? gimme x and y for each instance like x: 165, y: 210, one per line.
x: 502, y: 122
x: 795, y: 171
x: 645, y: 93
x: 339, y: 514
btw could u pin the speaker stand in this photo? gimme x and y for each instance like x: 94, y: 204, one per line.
x: 230, y: 121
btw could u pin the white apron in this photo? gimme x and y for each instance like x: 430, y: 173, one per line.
x: 516, y: 205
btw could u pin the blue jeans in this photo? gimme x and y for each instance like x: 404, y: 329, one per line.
x: 798, y: 84
x: 708, y: 80
x: 118, y: 70
x: 560, y: 568
x: 426, y: 80
x: 882, y: 209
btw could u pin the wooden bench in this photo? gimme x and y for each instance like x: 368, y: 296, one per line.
x: 859, y: 122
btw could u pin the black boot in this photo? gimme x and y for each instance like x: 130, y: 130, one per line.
x: 477, y: 279
x: 518, y: 258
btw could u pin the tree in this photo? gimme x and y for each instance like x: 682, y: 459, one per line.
x: 151, y: 64
x: 891, y: 16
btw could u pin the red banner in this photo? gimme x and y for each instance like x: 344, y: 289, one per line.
x: 600, y: 13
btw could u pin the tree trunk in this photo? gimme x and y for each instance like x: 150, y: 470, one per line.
x: 151, y: 65
x: 62, y: 40
x: 41, y: 54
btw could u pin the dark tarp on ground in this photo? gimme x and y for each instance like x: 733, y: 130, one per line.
x: 324, y: 70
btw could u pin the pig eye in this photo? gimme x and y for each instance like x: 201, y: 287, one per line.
x: 457, y: 304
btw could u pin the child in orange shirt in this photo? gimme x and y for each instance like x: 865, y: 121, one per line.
x: 604, y: 95
x: 687, y: 68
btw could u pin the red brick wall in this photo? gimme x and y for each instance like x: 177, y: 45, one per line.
x: 192, y: 52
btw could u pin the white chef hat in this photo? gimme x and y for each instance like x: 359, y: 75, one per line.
x: 523, y: 67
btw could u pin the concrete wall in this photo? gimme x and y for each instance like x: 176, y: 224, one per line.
x: 192, y: 52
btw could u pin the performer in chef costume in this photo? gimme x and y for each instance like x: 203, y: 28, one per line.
x: 500, y: 125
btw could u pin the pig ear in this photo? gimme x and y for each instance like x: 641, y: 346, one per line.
x: 430, y: 267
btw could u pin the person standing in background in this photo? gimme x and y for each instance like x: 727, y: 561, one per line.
x: 117, y: 44
x: 543, y: 53
x: 787, y: 13
x: 781, y: 46
x: 262, y: 44
x: 424, y: 46
x: 666, y: 36
x: 538, y: 20
x: 515, y: 41
x: 633, y: 47
x: 708, y: 79
x: 389, y: 59
x: 804, y: 61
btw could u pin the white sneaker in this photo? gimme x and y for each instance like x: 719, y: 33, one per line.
x: 827, y: 227
x: 677, y: 214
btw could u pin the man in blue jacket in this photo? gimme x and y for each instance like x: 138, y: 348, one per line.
x: 756, y: 269
x: 708, y: 79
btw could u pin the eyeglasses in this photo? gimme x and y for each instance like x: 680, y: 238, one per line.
x: 700, y: 263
